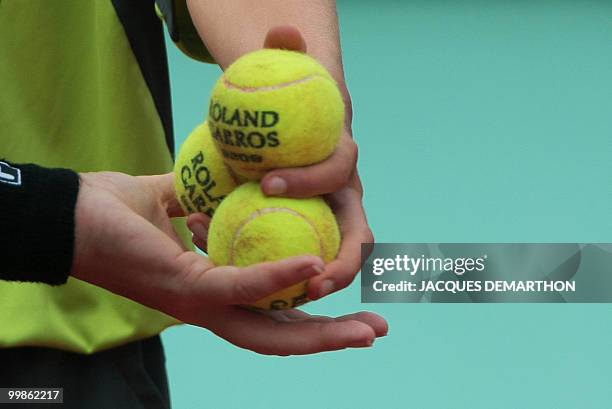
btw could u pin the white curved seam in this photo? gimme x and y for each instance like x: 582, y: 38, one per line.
x: 266, y: 210
x: 229, y: 84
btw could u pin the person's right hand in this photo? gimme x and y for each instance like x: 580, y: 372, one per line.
x: 126, y: 244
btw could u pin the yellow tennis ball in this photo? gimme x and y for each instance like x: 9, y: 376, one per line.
x: 275, y: 109
x: 201, y: 177
x: 249, y: 228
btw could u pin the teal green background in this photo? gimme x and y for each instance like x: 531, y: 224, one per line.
x: 484, y: 121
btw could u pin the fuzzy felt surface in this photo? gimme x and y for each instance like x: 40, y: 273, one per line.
x: 274, y: 109
x: 250, y: 228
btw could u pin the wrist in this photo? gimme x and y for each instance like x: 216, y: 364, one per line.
x: 80, y: 227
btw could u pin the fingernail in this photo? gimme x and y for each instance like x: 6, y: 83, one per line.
x: 276, y: 186
x: 313, y: 269
x: 327, y: 287
x: 361, y: 343
x: 199, y: 230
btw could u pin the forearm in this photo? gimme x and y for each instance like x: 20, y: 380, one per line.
x: 235, y: 27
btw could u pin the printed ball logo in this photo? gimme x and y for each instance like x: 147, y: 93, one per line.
x: 275, y: 109
x: 229, y: 130
x: 202, y: 180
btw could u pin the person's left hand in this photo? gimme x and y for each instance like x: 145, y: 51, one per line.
x: 335, y: 178
x: 125, y: 243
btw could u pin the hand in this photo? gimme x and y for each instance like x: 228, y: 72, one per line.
x: 324, y: 177
x: 336, y: 178
x: 347, y: 206
x: 126, y: 244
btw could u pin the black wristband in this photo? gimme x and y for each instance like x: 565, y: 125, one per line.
x: 36, y: 222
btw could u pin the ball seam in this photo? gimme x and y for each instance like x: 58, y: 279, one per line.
x: 231, y: 85
x: 267, y: 210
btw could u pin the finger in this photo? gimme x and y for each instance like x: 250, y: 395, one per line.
x: 198, y: 223
x: 202, y: 244
x: 354, y: 229
x: 260, y: 333
x: 285, y: 37
x: 246, y: 285
x: 321, y: 178
x: 375, y: 321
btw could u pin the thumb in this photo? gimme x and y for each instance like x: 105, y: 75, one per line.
x: 163, y: 185
x: 246, y: 285
x: 285, y: 37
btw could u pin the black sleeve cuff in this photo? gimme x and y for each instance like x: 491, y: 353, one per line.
x: 36, y: 222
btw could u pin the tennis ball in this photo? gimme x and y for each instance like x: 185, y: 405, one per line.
x: 202, y: 179
x: 275, y: 109
x: 249, y: 228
